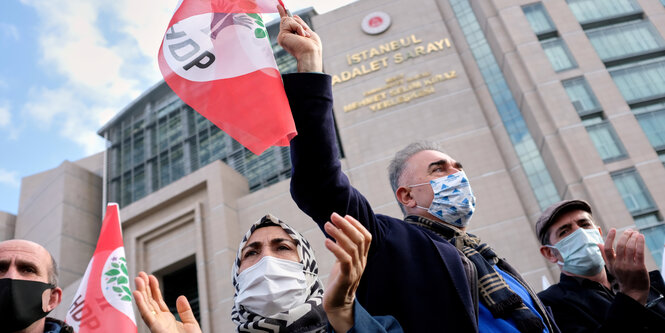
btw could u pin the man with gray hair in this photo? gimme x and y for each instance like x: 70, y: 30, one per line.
x: 424, y: 270
x: 28, y: 288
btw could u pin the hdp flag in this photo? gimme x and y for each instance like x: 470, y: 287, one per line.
x: 103, y: 302
x: 217, y: 58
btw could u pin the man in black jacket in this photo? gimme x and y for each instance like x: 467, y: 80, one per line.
x: 601, y: 288
x: 424, y: 270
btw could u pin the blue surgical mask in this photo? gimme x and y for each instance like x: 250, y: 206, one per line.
x: 580, y: 252
x: 453, y: 201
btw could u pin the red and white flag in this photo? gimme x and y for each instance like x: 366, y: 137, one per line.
x: 103, y: 302
x: 216, y: 56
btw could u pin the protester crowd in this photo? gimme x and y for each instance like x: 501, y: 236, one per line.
x: 418, y: 273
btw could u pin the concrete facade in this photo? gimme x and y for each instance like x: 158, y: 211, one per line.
x: 424, y: 57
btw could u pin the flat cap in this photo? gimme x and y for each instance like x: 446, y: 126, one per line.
x: 552, y: 213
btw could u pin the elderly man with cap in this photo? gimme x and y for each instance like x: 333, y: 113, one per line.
x: 28, y: 289
x: 602, y: 288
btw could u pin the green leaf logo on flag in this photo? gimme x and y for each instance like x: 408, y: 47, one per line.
x: 118, y: 279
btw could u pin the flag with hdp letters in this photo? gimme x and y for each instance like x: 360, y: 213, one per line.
x: 216, y: 56
x: 103, y: 301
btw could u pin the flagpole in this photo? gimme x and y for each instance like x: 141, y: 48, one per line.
x: 288, y: 12
x: 105, y: 172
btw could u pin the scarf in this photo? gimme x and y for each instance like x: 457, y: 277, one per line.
x: 306, y: 317
x: 494, y: 292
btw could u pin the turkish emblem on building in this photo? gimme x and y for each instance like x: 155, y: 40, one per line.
x: 375, y: 23
x: 217, y: 58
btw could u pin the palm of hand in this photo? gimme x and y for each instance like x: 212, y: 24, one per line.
x: 338, y: 283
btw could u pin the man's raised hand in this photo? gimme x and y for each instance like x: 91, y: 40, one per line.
x: 300, y: 41
x: 626, y: 263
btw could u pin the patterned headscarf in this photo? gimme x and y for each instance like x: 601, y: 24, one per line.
x: 306, y: 317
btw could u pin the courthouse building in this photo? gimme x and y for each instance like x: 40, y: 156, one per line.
x: 539, y: 100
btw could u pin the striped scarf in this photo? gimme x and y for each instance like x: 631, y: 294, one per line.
x: 494, y: 292
x: 306, y: 317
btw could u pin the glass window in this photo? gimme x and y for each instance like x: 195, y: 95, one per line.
x: 558, y: 54
x: 633, y: 192
x: 538, y: 18
x: 595, y: 10
x: 139, y: 183
x: 532, y: 162
x: 126, y: 152
x: 641, y: 81
x: 624, y: 40
x: 175, y: 128
x: 138, y: 148
x: 126, y: 192
x: 164, y: 170
x: 661, y: 156
x: 204, y: 148
x: 177, y: 163
x: 581, y: 96
x: 654, y: 233
x: 162, y: 136
x: 606, y: 141
x: 653, y: 125
x: 216, y: 143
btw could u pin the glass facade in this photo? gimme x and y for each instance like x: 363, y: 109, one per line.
x: 540, y: 21
x: 652, y: 120
x: 152, y: 146
x: 625, y: 40
x: 595, y: 10
x: 511, y: 116
x: 600, y: 131
x: 606, y: 141
x: 637, y: 199
x: 581, y: 96
x: 558, y: 54
x: 641, y: 81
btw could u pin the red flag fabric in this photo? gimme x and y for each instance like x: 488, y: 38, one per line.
x: 103, y: 302
x: 216, y: 56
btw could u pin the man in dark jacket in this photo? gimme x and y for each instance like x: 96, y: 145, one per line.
x: 28, y: 288
x: 414, y: 272
x: 615, y: 294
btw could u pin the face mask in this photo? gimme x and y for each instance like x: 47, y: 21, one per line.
x: 453, y: 201
x: 580, y: 252
x: 21, y: 303
x: 271, y: 286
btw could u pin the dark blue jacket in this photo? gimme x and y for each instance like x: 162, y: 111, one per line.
x: 411, y: 274
x: 582, y: 305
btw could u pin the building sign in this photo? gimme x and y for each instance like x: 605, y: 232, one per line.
x: 397, y: 52
x: 375, y: 23
x: 400, y: 89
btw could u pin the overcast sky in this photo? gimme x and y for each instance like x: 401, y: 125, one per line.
x: 66, y: 68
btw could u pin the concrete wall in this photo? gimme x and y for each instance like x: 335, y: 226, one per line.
x: 61, y: 210
x: 7, y: 225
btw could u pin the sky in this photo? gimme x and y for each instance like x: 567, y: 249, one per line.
x: 66, y: 68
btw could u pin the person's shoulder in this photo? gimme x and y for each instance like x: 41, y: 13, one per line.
x: 554, y: 293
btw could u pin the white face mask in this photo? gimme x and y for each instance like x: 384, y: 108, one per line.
x: 272, y: 285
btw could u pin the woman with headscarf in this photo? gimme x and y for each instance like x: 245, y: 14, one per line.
x: 277, y: 288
